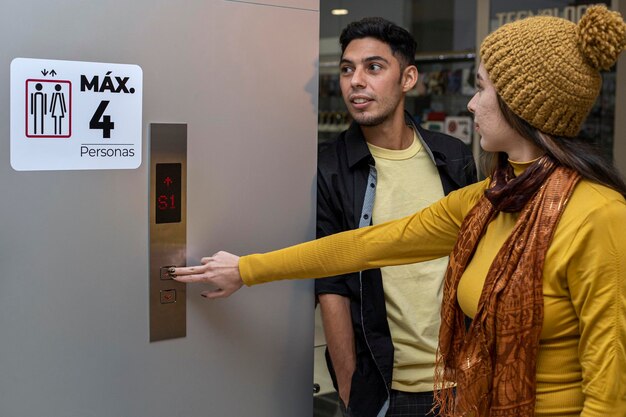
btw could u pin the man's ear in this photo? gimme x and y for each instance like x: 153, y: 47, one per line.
x: 409, y: 78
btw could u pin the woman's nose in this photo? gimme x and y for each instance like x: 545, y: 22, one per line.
x: 470, y: 104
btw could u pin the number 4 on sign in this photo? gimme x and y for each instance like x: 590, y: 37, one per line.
x: 101, y: 121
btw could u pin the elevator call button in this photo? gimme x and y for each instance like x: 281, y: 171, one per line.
x: 168, y: 296
x: 164, y: 272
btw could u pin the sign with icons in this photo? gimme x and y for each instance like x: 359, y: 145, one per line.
x: 71, y: 115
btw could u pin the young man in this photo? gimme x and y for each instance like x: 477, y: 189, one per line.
x: 382, y: 325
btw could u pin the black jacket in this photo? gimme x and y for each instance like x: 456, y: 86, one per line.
x: 343, y: 169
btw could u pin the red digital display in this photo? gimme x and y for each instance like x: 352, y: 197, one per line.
x: 168, y: 193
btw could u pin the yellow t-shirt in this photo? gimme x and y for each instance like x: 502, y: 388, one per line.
x: 408, y: 181
x: 581, y: 367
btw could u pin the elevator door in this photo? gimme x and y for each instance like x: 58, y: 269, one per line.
x: 74, y: 314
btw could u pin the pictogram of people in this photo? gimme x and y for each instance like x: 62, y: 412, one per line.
x: 58, y: 109
x: 48, y: 108
x: 38, y: 108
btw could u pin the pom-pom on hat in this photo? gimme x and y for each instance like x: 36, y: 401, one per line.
x: 547, y: 69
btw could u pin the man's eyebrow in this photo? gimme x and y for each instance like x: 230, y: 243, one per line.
x: 375, y: 58
x: 345, y: 61
x: 364, y: 60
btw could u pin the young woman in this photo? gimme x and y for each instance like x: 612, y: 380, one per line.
x: 537, y: 251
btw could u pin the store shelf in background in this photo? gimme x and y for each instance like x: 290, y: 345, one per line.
x: 461, y: 127
x: 333, y: 121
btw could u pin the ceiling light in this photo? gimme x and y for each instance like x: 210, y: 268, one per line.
x: 339, y: 12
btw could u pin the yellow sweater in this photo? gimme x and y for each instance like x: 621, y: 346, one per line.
x: 581, y: 364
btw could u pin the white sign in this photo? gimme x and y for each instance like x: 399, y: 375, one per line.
x: 68, y: 115
x: 459, y: 127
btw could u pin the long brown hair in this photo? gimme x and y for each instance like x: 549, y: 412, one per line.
x: 575, y: 153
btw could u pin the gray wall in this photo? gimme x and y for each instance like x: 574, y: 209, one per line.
x: 73, y: 244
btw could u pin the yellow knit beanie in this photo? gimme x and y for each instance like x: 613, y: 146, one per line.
x: 546, y: 69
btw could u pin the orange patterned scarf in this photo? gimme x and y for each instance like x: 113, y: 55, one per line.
x: 493, y: 364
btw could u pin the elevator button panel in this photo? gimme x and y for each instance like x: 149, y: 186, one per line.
x: 168, y: 229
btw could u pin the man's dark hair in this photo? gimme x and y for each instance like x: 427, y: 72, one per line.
x: 399, y: 39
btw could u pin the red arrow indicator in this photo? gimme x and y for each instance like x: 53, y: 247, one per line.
x: 168, y: 181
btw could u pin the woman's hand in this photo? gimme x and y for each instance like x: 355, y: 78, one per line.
x: 220, y: 270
